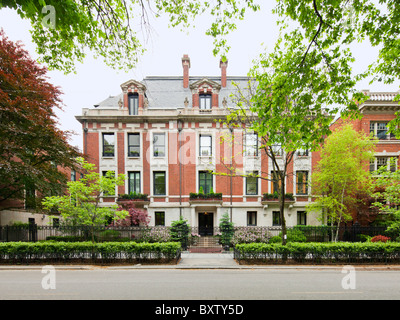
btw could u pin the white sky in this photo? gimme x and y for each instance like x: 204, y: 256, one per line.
x: 94, y: 81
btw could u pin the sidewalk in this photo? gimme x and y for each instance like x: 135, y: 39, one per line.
x: 198, y: 261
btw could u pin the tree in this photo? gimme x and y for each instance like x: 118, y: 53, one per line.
x: 32, y: 148
x: 333, y: 26
x: 290, y: 103
x: 341, y: 175
x: 227, y: 230
x: 135, y: 216
x: 385, y: 189
x: 81, y: 203
x: 63, y: 30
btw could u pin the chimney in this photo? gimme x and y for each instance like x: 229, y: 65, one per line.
x: 223, y: 65
x: 186, y: 66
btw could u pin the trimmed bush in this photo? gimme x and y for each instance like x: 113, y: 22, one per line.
x: 315, y: 252
x: 105, y: 252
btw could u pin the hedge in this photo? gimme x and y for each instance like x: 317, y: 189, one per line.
x: 316, y: 252
x: 105, y: 252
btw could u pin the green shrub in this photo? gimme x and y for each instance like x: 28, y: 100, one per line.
x: 227, y: 230
x: 65, y: 238
x: 179, y: 232
x: 11, y: 252
x: 108, y: 235
x: 316, y: 252
x: 293, y: 235
x: 275, y: 239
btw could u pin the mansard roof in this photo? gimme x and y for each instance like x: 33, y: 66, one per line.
x: 167, y: 92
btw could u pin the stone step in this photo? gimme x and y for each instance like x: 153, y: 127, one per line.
x: 205, y: 250
x: 207, y: 242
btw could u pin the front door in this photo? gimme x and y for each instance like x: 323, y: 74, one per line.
x: 206, y: 223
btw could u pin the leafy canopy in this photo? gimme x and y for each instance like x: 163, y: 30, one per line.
x: 385, y: 190
x: 81, y: 203
x: 32, y: 148
x: 334, y: 26
x: 64, y: 30
x: 341, y: 175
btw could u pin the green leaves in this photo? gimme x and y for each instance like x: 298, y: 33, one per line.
x: 32, y: 148
x: 108, y: 28
x: 341, y: 175
x: 331, y: 26
x: 385, y: 189
x: 115, y: 252
x: 80, y: 206
x: 320, y: 252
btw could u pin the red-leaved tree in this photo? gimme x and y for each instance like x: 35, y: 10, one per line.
x: 32, y: 147
x: 136, y: 217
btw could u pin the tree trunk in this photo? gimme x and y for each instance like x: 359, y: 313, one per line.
x: 340, y: 216
x: 282, y: 211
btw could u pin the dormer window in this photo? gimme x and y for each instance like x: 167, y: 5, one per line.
x: 133, y: 104
x: 205, y: 101
x: 134, y: 96
x: 205, y: 94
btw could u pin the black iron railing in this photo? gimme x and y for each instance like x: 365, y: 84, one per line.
x: 33, y: 233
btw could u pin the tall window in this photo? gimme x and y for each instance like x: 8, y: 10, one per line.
x: 205, y: 101
x: 205, y: 145
x: 252, y: 184
x: 251, y: 218
x: 159, y: 183
x: 159, y: 218
x: 301, y: 182
x: 277, y: 150
x: 109, y: 192
x: 380, y: 130
x: 390, y: 163
x: 133, y: 145
x: 302, y: 152
x: 133, y: 101
x: 159, y: 145
x: 108, y: 145
x: 205, y: 181
x: 73, y: 175
x: 276, y: 218
x: 301, y: 218
x: 134, y: 182
x: 251, y: 144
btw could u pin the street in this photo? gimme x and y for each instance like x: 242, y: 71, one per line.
x: 200, y: 284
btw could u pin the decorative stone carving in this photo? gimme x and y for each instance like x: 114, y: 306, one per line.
x: 133, y: 86
x: 203, y: 85
x: 224, y: 102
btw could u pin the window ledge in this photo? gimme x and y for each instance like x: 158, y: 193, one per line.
x: 396, y: 141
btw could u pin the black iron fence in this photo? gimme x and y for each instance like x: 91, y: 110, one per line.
x: 33, y: 233
x: 83, y: 233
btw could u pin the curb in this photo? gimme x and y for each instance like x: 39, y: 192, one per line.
x: 202, y: 267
